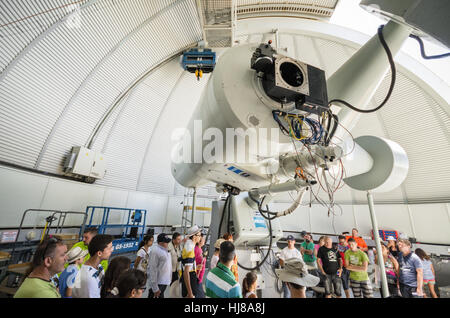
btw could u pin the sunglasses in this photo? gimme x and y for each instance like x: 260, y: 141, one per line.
x: 51, y: 241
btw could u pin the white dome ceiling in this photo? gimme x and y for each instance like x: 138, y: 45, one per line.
x: 118, y: 71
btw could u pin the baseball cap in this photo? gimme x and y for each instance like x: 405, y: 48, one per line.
x: 163, y: 238
x: 290, y: 238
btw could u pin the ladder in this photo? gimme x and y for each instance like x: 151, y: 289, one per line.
x: 185, y: 219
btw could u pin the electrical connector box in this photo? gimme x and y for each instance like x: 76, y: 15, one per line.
x: 85, y: 162
x: 251, y: 228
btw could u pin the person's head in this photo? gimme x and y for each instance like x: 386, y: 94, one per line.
x: 116, y: 267
x: 342, y: 240
x: 290, y: 241
x: 131, y: 284
x: 404, y: 246
x: 176, y: 238
x: 147, y: 241
x: 384, y: 248
x: 328, y: 242
x: 322, y: 240
x: 101, y: 246
x: 228, y: 237
x: 352, y: 244
x: 194, y: 234
x: 217, y: 245
x: 422, y: 254
x: 50, y: 256
x: 307, y: 237
x: 76, y: 256
x: 355, y: 232
x: 202, y: 241
x: 163, y: 240
x: 89, y: 234
x: 249, y: 282
x: 296, y: 276
x: 226, y: 253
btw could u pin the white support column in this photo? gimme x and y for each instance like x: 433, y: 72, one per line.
x: 411, y: 221
x: 194, y: 198
x: 384, y: 286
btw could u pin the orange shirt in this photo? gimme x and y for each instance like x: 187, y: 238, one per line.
x: 359, y: 241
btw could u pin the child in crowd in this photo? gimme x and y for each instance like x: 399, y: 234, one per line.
x: 116, y: 267
x: 130, y: 284
x: 428, y: 272
x: 89, y: 281
x: 143, y: 254
x: 249, y: 285
x: 356, y: 261
x: 75, y: 258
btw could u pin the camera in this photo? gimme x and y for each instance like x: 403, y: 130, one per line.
x: 287, y: 80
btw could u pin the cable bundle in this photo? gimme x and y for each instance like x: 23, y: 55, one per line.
x: 295, y: 127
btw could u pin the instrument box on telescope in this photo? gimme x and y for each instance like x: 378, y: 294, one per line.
x: 251, y: 229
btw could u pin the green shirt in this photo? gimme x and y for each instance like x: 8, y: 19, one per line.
x: 83, y: 246
x: 308, y: 246
x: 37, y: 288
x: 357, y: 258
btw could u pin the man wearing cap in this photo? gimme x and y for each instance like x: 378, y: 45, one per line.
x: 75, y: 258
x: 160, y: 267
x: 190, y: 283
x: 289, y: 252
x: 295, y: 275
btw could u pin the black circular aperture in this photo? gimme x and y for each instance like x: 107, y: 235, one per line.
x: 291, y: 74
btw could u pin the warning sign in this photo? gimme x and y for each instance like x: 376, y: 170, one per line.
x: 9, y: 236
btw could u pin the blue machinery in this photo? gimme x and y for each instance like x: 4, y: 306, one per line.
x: 132, y: 231
x: 199, y: 62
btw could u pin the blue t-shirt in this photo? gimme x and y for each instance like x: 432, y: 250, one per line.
x: 67, y: 279
x: 408, y: 268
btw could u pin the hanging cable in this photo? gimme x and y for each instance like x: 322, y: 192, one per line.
x: 267, y: 255
x: 391, y: 87
x: 422, y: 50
x: 223, y: 212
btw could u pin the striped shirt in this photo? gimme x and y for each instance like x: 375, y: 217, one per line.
x: 188, y: 255
x: 220, y: 283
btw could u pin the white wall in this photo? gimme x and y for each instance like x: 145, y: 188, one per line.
x: 23, y: 190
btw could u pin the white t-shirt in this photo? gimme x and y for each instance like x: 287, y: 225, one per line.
x: 214, y: 261
x: 287, y: 253
x: 88, y: 282
x: 143, y: 264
